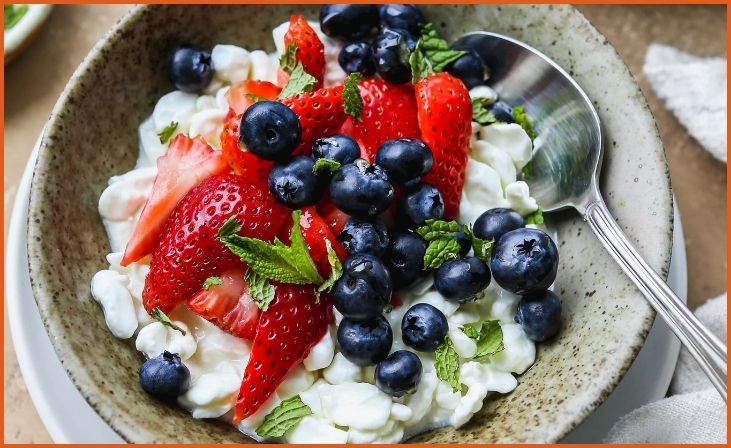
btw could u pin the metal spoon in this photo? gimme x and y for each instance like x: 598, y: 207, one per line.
x: 565, y: 169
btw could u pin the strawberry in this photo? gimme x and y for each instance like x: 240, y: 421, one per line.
x: 333, y: 216
x: 185, y: 164
x: 310, y: 50
x: 389, y: 111
x: 240, y: 96
x: 189, y: 251
x: 287, y: 330
x: 228, y: 305
x: 445, y: 117
x: 315, y: 231
x: 320, y: 113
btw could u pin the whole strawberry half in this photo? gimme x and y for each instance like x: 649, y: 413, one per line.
x: 389, y: 111
x: 228, y: 305
x: 320, y: 114
x: 310, y: 50
x: 189, y: 251
x: 287, y: 330
x: 333, y: 216
x: 445, y: 122
x: 240, y: 96
x: 183, y: 166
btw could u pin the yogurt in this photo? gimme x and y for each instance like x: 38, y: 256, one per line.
x: 346, y: 405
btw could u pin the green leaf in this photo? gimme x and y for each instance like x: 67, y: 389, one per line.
x: 326, y: 166
x: 288, y: 60
x: 420, y: 67
x: 254, y: 98
x: 352, y: 102
x: 229, y: 227
x: 336, y: 268
x: 431, y: 54
x: 535, y: 218
x: 210, y: 281
x: 261, y: 291
x: 434, y: 229
x: 440, y: 251
x: 165, y: 320
x: 284, y: 417
x: 299, y: 81
x: 480, y: 113
x: 168, y: 132
x: 489, y: 338
x: 277, y: 262
x: 482, y: 248
x: 522, y: 119
x: 446, y: 363
x: 12, y: 14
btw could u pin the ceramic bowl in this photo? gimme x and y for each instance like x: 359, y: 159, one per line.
x: 92, y: 135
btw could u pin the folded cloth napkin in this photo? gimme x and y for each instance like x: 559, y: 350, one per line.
x: 694, y: 412
x: 694, y: 89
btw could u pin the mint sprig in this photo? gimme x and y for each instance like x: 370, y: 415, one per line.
x: 168, y: 132
x: 283, y: 417
x: 431, y: 54
x: 535, y: 218
x: 261, y: 291
x: 336, y: 268
x: 325, y: 166
x: 442, y: 241
x: 523, y: 120
x: 352, y: 101
x: 446, y: 363
x: 480, y: 113
x: 488, y: 337
x: 211, y: 281
x: 274, y: 261
x: 12, y: 14
x: 165, y: 320
x: 481, y: 248
x: 299, y: 81
x: 288, y: 59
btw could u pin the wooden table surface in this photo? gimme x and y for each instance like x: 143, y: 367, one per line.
x: 34, y: 80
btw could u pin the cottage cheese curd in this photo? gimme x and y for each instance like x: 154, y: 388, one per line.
x: 346, y: 406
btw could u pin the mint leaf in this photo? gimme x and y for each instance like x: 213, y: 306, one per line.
x: 434, y: 229
x: 210, y: 281
x: 440, y: 251
x: 229, y: 227
x: 482, y: 248
x: 168, y: 132
x: 431, y: 54
x: 446, y: 363
x: 277, y: 262
x: 489, y: 338
x: 480, y: 113
x: 284, y: 417
x: 352, y: 102
x: 420, y: 67
x: 261, y: 291
x: 254, y: 98
x: 12, y: 14
x: 522, y: 119
x: 299, y: 81
x: 336, y: 268
x: 288, y: 60
x: 326, y: 166
x: 165, y: 320
x: 535, y: 218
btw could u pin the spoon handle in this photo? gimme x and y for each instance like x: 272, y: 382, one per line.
x: 706, y: 348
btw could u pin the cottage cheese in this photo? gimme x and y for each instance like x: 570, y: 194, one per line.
x: 346, y: 406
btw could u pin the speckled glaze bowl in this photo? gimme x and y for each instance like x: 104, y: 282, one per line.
x: 92, y: 135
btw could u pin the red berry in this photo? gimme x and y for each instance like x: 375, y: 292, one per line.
x: 310, y: 50
x: 320, y: 114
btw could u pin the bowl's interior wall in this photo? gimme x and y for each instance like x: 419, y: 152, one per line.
x: 93, y: 135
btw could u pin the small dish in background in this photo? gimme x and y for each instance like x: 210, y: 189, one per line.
x: 22, y: 23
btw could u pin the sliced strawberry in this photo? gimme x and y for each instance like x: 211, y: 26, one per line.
x: 287, y: 330
x: 245, y: 93
x: 188, y: 251
x: 320, y: 114
x: 186, y: 163
x: 333, y: 216
x: 315, y: 231
x: 228, y: 305
x: 310, y: 50
x: 445, y: 120
x: 389, y: 111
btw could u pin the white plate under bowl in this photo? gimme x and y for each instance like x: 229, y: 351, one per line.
x: 69, y: 418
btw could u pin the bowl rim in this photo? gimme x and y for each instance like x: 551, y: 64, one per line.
x: 136, y: 11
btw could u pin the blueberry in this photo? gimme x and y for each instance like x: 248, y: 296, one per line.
x: 404, y: 159
x: 348, y: 21
x: 189, y: 68
x: 399, y: 374
x: 424, y: 327
x: 495, y: 222
x: 364, y: 237
x: 502, y: 112
x: 540, y: 315
x: 391, y: 54
x: 270, y: 130
x: 524, y: 261
x: 460, y: 280
x: 470, y: 69
x: 336, y: 147
x: 361, y: 190
x: 404, y: 258
x: 405, y: 17
x: 364, y: 289
x: 419, y: 204
x: 464, y: 243
x: 294, y: 184
x: 165, y: 377
x: 365, y: 342
x: 408, y: 37
x: 357, y: 57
